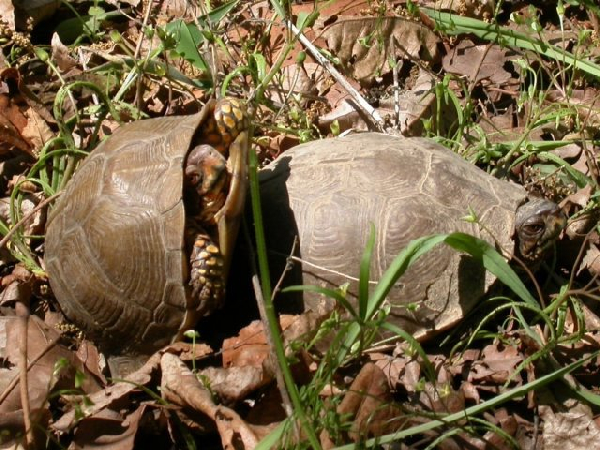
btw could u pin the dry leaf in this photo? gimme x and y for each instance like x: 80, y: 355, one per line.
x: 180, y: 386
x: 470, y: 8
x: 109, y: 432
x: 382, y: 39
x: 235, y: 383
x: 43, y: 353
x: 61, y: 55
x: 7, y: 13
x: 571, y: 430
x: 104, y: 399
x: 477, y: 63
x: 370, y: 403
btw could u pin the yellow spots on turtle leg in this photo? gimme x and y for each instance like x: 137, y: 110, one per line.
x: 206, y: 274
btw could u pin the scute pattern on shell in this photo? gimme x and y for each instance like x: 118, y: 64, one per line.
x: 134, y: 178
x: 329, y: 192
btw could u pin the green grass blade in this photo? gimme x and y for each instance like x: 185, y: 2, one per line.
x: 365, y: 275
x: 332, y: 293
x: 188, y: 39
x: 455, y: 24
x: 579, y: 178
x: 492, y: 261
x: 519, y: 391
x: 399, y: 265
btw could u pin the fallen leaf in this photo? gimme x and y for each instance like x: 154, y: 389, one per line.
x: 43, y: 353
x: 180, y: 386
x: 469, y: 8
x: 235, y: 383
x: 370, y: 404
x: 7, y: 13
x: 61, y: 55
x: 477, y: 63
x: 365, y: 45
x: 101, y: 400
x: 574, y: 429
x: 109, y: 433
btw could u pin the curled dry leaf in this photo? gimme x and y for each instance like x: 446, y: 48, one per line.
x: 591, y: 260
x: 250, y: 348
x: 235, y: 383
x: 43, y: 353
x: 180, y: 386
x: 109, y: 431
x: 35, y: 219
x: 365, y: 45
x: 470, y: 8
x: 574, y: 429
x: 111, y: 396
x: 442, y: 398
x: 347, y: 115
x: 12, y: 123
x: 7, y: 13
x: 370, y: 405
x: 392, y: 367
x: 413, y: 106
x: 61, y: 56
x: 579, y: 226
x: 477, y: 63
x: 296, y: 81
x: 497, y: 365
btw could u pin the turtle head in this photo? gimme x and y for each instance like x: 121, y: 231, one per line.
x: 537, y: 224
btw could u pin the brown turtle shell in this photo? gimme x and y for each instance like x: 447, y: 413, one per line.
x: 329, y: 192
x: 115, y: 238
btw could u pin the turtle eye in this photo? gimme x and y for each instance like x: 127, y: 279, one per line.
x: 533, y: 228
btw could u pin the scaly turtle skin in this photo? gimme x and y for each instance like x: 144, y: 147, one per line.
x: 329, y: 192
x: 139, y: 244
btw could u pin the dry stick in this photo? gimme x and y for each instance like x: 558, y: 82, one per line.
x: 477, y: 68
x: 13, y: 382
x: 23, y: 313
x: 395, y: 71
x: 25, y: 218
x: 22, y: 310
x: 325, y: 269
x: 288, y: 267
x: 138, y: 50
x: 285, y: 398
x: 361, y: 103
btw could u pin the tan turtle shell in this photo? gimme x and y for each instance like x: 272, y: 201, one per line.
x: 115, y: 239
x: 329, y: 193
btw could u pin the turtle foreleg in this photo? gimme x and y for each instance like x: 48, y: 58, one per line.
x: 207, y: 273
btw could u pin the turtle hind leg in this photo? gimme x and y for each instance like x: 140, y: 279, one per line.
x: 207, y: 273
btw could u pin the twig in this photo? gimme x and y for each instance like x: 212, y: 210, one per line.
x: 325, y: 269
x: 138, y: 50
x: 25, y: 218
x: 287, y: 268
x: 396, y: 83
x: 367, y: 109
x: 22, y: 309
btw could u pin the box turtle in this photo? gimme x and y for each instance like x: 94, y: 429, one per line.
x: 329, y: 192
x: 139, y: 244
